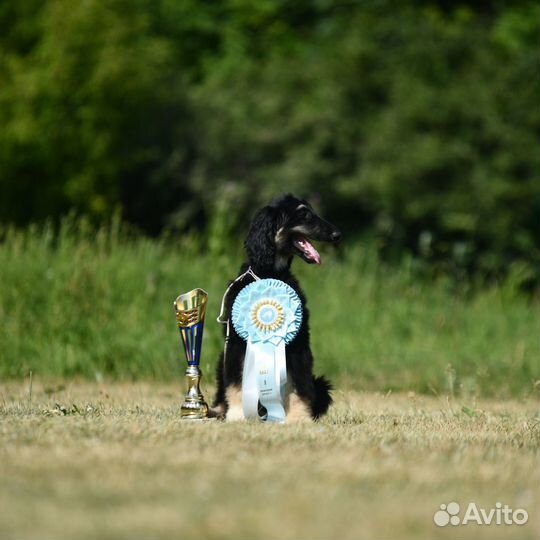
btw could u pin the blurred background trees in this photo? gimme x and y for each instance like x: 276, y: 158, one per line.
x: 414, y: 122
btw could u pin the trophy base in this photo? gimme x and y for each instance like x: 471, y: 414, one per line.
x: 194, y: 410
x: 194, y: 406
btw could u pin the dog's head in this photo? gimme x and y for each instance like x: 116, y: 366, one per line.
x: 284, y: 228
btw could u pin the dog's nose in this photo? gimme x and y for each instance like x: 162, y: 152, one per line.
x: 335, y: 236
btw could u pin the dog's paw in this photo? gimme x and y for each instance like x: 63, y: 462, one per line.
x: 298, y: 410
x: 216, y: 412
x: 234, y: 414
x: 235, y: 410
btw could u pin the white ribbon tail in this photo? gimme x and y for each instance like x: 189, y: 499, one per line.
x: 271, y: 381
x: 250, y: 393
x: 264, y: 380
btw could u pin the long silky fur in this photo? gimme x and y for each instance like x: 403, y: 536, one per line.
x: 270, y: 260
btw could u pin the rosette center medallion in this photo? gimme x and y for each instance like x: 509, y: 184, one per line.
x: 268, y: 315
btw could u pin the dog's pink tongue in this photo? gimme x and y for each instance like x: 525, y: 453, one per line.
x: 311, y: 251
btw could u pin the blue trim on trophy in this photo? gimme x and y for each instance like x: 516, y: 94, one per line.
x: 192, y: 338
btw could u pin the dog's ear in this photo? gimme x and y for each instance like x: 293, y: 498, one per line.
x: 260, y: 241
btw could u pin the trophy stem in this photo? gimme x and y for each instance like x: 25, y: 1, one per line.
x: 194, y: 406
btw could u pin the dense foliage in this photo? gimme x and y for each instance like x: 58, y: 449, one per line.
x: 416, y: 122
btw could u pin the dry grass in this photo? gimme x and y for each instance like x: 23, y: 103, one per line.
x: 114, y: 461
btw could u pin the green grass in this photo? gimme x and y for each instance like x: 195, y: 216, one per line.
x: 113, y: 460
x: 99, y: 305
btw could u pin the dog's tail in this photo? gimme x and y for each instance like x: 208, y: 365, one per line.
x: 323, y: 399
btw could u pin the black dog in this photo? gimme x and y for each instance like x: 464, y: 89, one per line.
x: 279, y: 231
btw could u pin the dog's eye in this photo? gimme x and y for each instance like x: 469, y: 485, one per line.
x: 306, y: 215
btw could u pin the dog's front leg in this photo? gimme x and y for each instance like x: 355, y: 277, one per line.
x: 298, y: 409
x: 235, y: 410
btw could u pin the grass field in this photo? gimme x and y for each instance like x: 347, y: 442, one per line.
x: 112, y: 460
x: 98, y: 304
x: 436, y: 399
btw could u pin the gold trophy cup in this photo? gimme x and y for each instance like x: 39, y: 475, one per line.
x: 190, y: 311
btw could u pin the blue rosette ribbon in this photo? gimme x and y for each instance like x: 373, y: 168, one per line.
x: 267, y: 314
